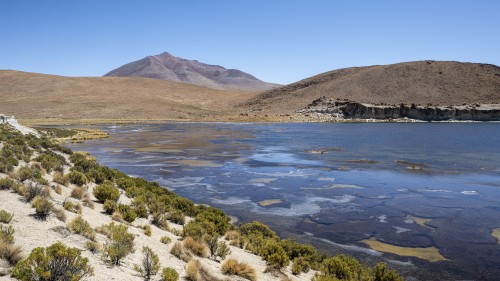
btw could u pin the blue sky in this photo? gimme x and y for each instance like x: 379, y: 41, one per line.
x: 278, y: 41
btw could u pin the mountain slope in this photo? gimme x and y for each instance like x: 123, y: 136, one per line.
x: 31, y: 95
x: 167, y: 67
x: 421, y: 82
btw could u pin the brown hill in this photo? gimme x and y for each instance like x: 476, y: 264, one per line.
x: 421, y: 82
x: 30, y: 95
x: 167, y: 67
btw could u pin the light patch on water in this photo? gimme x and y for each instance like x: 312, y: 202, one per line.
x: 402, y: 189
x: 419, y: 221
x: 282, y: 158
x: 197, y: 163
x: 400, y: 229
x: 382, y: 218
x: 470, y: 192
x: 333, y: 186
x: 354, y: 248
x: 326, y: 179
x: 293, y: 173
x: 231, y: 201
x: 403, y: 263
x: 435, y: 190
x: 270, y: 202
x: 496, y: 233
x: 263, y: 180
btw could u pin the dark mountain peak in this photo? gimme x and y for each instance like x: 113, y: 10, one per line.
x: 165, y: 66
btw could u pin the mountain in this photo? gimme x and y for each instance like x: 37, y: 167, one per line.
x: 40, y: 96
x: 440, y: 83
x: 167, y: 67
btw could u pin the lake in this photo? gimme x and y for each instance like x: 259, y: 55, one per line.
x: 423, y: 197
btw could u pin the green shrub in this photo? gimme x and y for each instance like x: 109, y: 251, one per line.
x: 7, y: 233
x: 121, y: 243
x: 5, y: 217
x: 383, y: 274
x: 176, y: 217
x: 72, y: 207
x: 150, y: 264
x: 56, y: 262
x: 257, y: 228
x: 43, y: 207
x: 127, y: 212
x: 199, y: 230
x: 92, y: 246
x: 165, y: 240
x: 140, y: 208
x: 77, y: 178
x: 80, y: 226
x: 217, y: 217
x: 169, y: 274
x: 25, y: 173
x: 299, y: 265
x: 274, y: 254
x: 147, y: 230
x: 344, y: 268
x: 218, y: 249
x: 106, y: 191
x: 110, y: 206
x: 7, y: 184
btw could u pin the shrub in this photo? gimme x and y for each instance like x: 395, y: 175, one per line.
x: 165, y: 240
x: 10, y: 252
x: 274, y: 254
x: 77, y: 193
x: 180, y: 252
x: 199, y: 230
x: 121, y: 244
x: 43, y: 208
x: 193, y: 268
x: 56, y: 262
x: 25, y: 173
x: 139, y: 208
x: 344, y: 268
x: 383, y: 274
x: 77, y: 178
x: 257, y: 228
x: 196, y: 247
x: 7, y: 184
x: 299, y: 265
x: 92, y: 246
x: 160, y: 220
x: 60, y: 214
x: 176, y: 217
x: 106, y: 191
x: 33, y: 190
x: 7, y: 233
x: 5, y: 217
x: 61, y: 179
x: 147, y: 230
x: 80, y: 226
x: 169, y: 274
x: 110, y: 207
x: 58, y: 189
x: 217, y: 217
x: 218, y: 249
x: 232, y: 235
x: 87, y: 201
x: 72, y: 207
x: 233, y: 267
x: 150, y: 264
x: 127, y: 213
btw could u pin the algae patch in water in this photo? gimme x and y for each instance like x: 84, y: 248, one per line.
x: 496, y: 233
x: 270, y: 202
x: 420, y: 221
x: 429, y: 253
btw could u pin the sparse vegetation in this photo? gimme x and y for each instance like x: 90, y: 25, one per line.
x: 60, y: 214
x: 120, y: 245
x: 60, y: 178
x: 56, y: 262
x: 233, y: 267
x: 193, y: 268
x: 196, y: 247
x: 43, y: 207
x: 7, y: 183
x: 165, y: 240
x: 180, y: 252
x: 5, y: 217
x: 80, y: 226
x: 147, y: 230
x: 77, y: 193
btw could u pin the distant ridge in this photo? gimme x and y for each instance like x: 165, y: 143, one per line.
x: 168, y: 67
x: 441, y: 83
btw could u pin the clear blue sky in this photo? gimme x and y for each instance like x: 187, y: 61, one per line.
x: 278, y: 41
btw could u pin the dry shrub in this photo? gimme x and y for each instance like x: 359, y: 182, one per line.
x: 43, y: 208
x: 165, y: 240
x: 61, y: 179
x: 80, y: 226
x: 58, y: 189
x: 10, y: 252
x: 93, y: 246
x: 60, y: 214
x: 72, y: 207
x: 117, y: 216
x: 87, y: 201
x: 77, y: 193
x: 180, y: 252
x: 193, y: 270
x: 232, y: 235
x: 147, y: 229
x: 196, y: 247
x: 233, y: 267
x: 33, y: 189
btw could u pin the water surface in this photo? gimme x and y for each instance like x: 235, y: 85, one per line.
x: 343, y: 187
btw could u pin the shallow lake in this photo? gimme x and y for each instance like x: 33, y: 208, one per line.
x: 381, y: 192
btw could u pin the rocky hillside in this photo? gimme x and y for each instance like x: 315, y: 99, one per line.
x: 167, y: 67
x: 422, y: 82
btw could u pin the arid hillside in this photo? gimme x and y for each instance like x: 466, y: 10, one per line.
x: 30, y: 95
x: 421, y: 82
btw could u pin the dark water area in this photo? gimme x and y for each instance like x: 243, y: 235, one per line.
x: 427, y: 190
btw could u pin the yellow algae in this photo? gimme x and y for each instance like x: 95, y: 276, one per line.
x: 263, y: 180
x: 419, y: 221
x: 496, y: 233
x: 429, y: 253
x: 270, y: 202
x: 197, y: 163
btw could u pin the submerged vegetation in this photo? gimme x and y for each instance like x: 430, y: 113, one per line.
x: 202, y: 234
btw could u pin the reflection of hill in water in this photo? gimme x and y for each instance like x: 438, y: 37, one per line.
x: 361, y: 190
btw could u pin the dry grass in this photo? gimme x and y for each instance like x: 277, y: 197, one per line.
x: 87, y: 201
x: 10, y: 252
x: 77, y: 193
x: 196, y: 247
x: 60, y: 214
x: 193, y: 270
x: 58, y: 189
x: 80, y: 226
x: 147, y: 229
x: 60, y: 179
x: 233, y: 267
x: 180, y: 252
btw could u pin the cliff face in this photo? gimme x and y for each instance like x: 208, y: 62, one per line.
x: 354, y: 110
